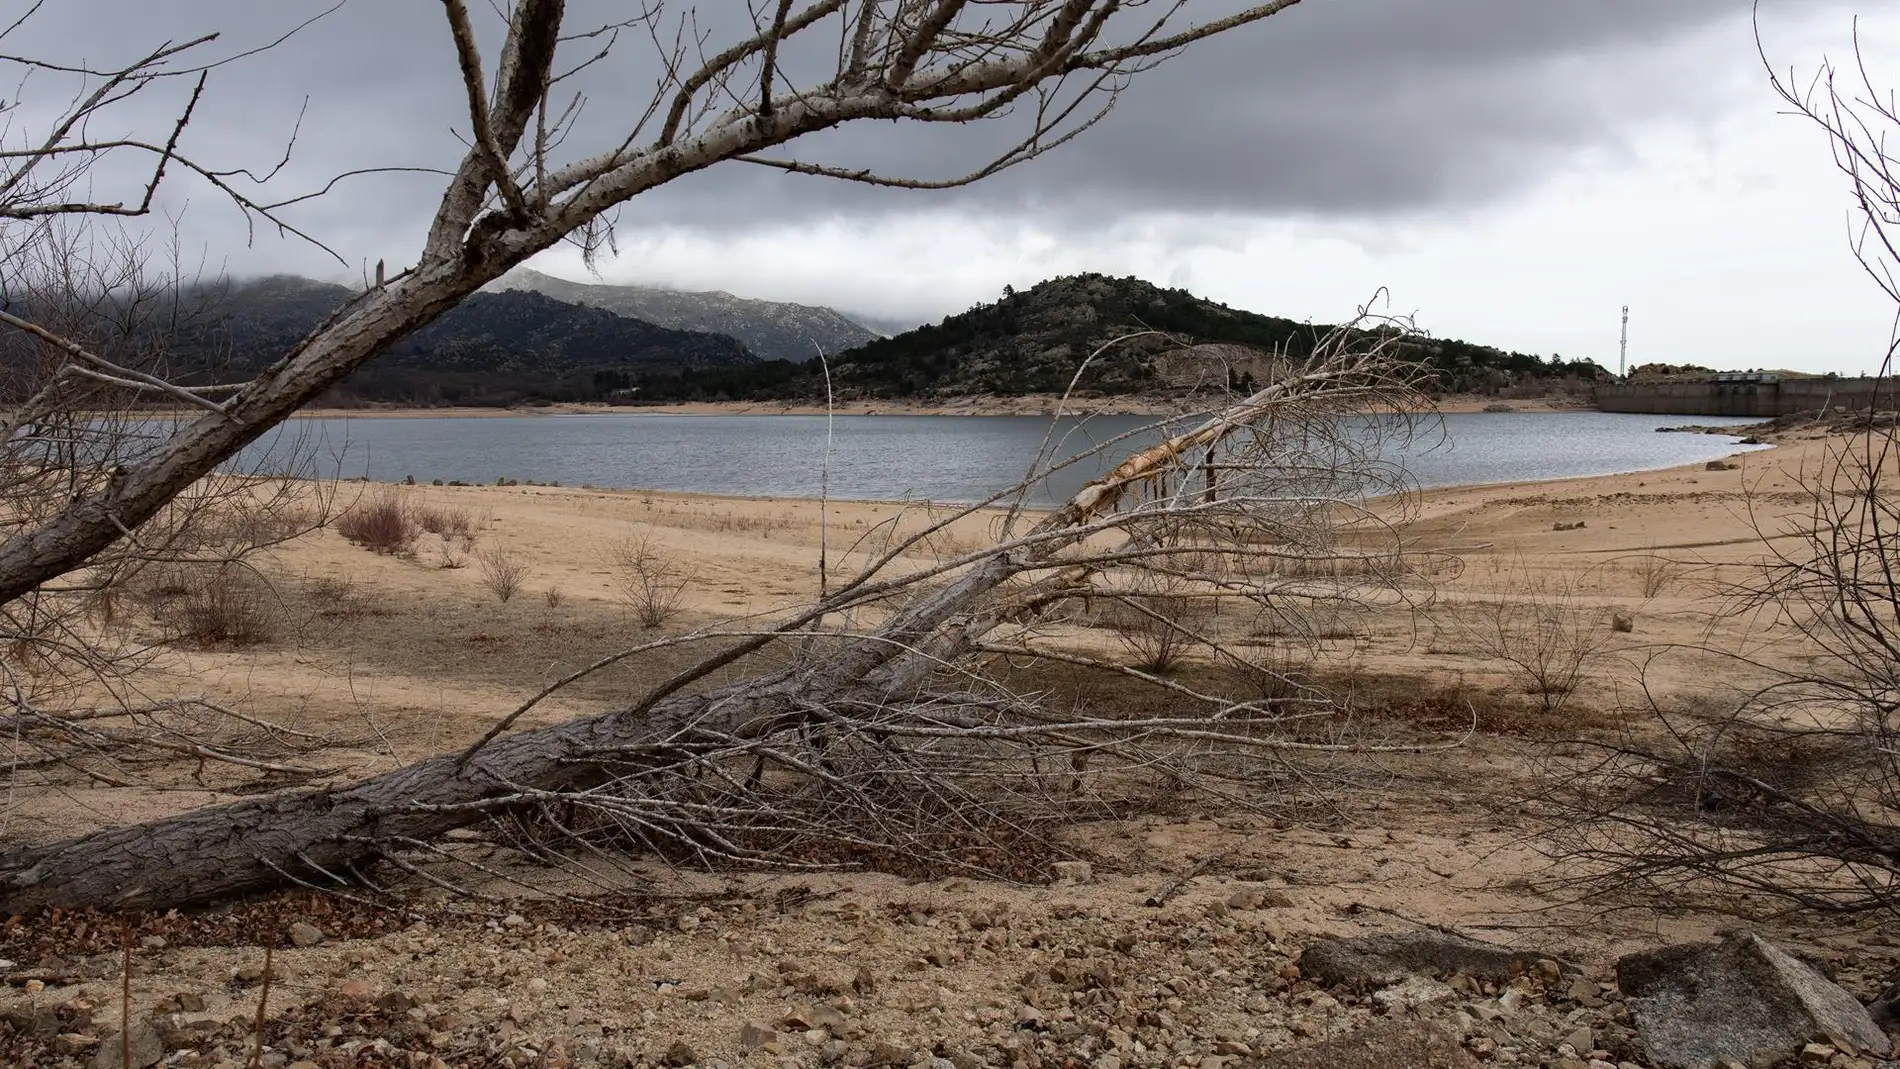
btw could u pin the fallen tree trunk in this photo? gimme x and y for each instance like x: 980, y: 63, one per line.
x: 327, y: 837
x: 322, y: 836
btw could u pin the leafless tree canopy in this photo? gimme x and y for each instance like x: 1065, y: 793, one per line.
x: 522, y: 187
x: 884, y: 722
x: 883, y: 718
x: 1787, y: 796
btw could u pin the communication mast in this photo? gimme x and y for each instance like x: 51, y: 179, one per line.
x: 1623, y: 350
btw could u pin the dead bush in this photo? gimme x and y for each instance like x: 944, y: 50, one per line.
x: 1546, y: 634
x: 209, y: 605
x: 448, y: 521
x: 1320, y: 620
x: 381, y: 524
x: 335, y: 597
x: 454, y: 554
x: 329, y: 588
x: 502, y: 572
x: 1158, y: 621
x: 1279, y: 673
x: 1655, y: 574
x: 649, y: 581
x: 1456, y: 706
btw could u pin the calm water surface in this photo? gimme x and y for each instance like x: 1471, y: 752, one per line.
x: 942, y: 458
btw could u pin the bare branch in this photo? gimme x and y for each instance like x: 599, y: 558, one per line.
x: 486, y: 146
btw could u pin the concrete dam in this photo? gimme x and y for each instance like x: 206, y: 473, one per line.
x: 1748, y: 394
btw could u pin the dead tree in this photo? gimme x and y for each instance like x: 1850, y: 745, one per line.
x: 72, y: 650
x: 523, y: 187
x: 88, y: 503
x: 1784, y: 797
x: 914, y: 719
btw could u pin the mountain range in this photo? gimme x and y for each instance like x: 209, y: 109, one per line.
x: 526, y: 341
x: 772, y: 330
x: 492, y: 349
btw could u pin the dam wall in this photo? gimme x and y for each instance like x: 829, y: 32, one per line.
x: 1760, y: 399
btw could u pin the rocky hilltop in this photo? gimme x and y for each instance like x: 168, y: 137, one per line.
x: 772, y: 330
x: 1034, y: 341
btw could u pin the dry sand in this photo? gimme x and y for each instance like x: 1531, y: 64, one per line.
x: 396, y: 658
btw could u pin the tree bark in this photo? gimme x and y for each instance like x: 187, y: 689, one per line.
x: 260, y: 844
x: 320, y: 836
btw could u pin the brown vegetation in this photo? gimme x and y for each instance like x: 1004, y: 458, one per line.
x: 381, y: 524
x: 650, y: 581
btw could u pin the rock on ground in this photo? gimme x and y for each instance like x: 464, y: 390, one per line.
x: 146, y: 1048
x: 1885, y: 1010
x: 1698, y: 1004
x: 1396, y: 1045
x: 1378, y: 960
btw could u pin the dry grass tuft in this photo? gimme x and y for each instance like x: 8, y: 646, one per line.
x: 447, y: 521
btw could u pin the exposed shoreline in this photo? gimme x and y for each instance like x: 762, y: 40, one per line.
x: 388, y: 658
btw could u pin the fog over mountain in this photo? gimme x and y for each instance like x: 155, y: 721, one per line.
x: 772, y: 330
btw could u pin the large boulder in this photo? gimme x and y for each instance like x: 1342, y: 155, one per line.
x: 1379, y: 960
x: 1394, y: 1045
x: 1697, y: 1004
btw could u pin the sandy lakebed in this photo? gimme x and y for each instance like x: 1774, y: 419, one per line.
x: 395, y: 657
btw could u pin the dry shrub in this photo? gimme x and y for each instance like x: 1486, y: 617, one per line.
x: 381, y: 524
x: 1547, y: 635
x: 1312, y: 619
x: 648, y: 579
x: 1457, y: 706
x: 336, y: 597
x: 448, y: 521
x: 1278, y: 673
x: 1340, y: 564
x: 553, y: 596
x: 224, y: 604
x: 502, y: 572
x: 1655, y: 574
x: 329, y: 588
x: 454, y: 554
x: 1158, y: 622
x: 247, y: 523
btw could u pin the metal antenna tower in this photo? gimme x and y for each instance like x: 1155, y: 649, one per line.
x: 1623, y: 351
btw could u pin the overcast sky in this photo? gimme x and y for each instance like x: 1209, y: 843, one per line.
x: 1512, y: 171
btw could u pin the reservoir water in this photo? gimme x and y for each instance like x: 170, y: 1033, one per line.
x: 941, y: 458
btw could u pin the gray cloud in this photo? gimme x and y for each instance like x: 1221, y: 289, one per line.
x: 1334, y: 107
x: 1350, y: 108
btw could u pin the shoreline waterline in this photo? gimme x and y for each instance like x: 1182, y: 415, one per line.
x: 882, y: 458
x: 1041, y: 405
x: 1003, y: 502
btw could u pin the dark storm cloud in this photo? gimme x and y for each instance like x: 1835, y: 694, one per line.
x: 1335, y: 107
